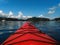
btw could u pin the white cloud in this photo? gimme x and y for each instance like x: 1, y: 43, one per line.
x: 53, y: 8
x: 51, y: 12
x: 2, y: 14
x: 20, y: 13
x: 24, y: 17
x: 12, y: 17
x: 1, y: 11
x: 59, y: 4
x: 41, y: 15
x: 29, y: 16
x: 10, y: 13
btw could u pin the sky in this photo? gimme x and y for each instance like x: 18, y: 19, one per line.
x: 46, y: 8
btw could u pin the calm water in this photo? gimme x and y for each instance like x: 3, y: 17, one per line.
x: 51, y: 28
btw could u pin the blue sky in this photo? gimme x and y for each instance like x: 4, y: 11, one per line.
x: 48, y: 8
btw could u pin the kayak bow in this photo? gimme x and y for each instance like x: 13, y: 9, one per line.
x: 28, y: 34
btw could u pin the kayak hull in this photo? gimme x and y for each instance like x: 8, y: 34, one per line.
x: 31, y: 43
x: 28, y: 34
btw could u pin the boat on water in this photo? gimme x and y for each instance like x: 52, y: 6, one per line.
x: 28, y: 34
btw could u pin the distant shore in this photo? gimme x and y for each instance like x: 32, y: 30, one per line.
x: 29, y: 19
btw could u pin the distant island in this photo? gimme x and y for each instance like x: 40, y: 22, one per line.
x: 11, y: 19
x: 38, y: 19
x: 29, y: 19
x: 57, y: 19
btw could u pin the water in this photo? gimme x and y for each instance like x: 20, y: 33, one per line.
x: 51, y: 28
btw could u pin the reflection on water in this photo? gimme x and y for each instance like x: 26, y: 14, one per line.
x: 10, y: 25
x: 51, y: 28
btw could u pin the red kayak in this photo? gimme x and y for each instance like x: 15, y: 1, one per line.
x: 29, y: 35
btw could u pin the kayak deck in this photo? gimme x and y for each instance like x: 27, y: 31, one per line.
x: 28, y: 34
